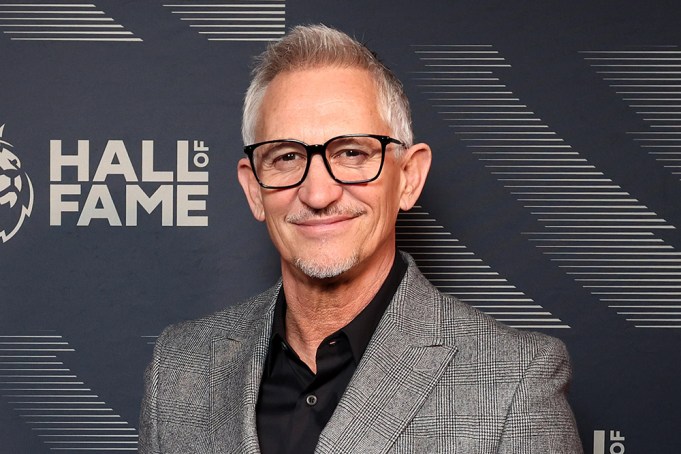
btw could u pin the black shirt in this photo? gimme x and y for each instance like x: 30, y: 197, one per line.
x: 295, y: 404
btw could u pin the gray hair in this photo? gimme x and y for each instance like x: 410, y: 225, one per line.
x: 313, y: 46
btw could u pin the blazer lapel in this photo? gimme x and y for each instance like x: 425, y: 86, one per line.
x: 234, y: 379
x: 402, y: 364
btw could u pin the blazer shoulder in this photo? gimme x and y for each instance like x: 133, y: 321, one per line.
x: 474, y: 331
x: 424, y: 311
x: 235, y: 321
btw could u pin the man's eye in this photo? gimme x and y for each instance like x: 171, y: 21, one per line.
x: 350, y: 154
x: 287, y: 157
x: 353, y: 153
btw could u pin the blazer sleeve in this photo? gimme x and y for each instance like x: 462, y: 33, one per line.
x: 148, y: 426
x: 540, y: 419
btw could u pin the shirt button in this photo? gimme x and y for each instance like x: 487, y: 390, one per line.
x: 311, y: 400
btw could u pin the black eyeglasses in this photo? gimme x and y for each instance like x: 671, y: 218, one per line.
x: 349, y: 159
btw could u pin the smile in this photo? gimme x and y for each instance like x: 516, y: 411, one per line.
x: 325, y: 225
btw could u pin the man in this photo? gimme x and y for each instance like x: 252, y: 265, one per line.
x: 353, y: 351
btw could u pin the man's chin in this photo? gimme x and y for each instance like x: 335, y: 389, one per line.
x: 322, y: 270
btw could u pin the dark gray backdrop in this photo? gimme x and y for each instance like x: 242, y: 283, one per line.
x: 552, y: 204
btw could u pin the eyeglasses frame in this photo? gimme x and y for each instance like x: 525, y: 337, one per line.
x: 320, y: 149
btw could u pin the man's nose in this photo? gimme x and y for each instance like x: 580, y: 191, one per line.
x: 319, y: 189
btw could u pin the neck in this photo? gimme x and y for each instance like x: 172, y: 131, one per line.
x: 316, y: 308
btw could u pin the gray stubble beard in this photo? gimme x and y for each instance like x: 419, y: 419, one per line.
x: 317, y: 271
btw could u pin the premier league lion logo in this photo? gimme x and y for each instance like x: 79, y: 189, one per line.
x: 16, y: 192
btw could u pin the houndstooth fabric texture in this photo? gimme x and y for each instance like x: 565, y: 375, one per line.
x: 437, y: 377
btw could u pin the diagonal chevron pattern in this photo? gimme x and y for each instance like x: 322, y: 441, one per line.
x: 649, y: 81
x: 51, y: 21
x: 233, y: 20
x: 593, y: 229
x: 49, y: 397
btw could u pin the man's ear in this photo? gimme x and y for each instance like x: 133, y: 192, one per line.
x: 415, y: 163
x: 251, y: 188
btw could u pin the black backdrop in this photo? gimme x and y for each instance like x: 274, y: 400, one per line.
x: 552, y: 204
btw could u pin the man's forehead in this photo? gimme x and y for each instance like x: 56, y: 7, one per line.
x: 307, y: 75
x: 319, y: 98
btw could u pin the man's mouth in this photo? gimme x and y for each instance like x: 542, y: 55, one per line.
x: 328, y: 220
x: 327, y: 216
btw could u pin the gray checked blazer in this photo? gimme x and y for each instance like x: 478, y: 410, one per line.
x: 437, y: 377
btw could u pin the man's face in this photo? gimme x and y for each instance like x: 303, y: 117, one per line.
x: 323, y: 228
